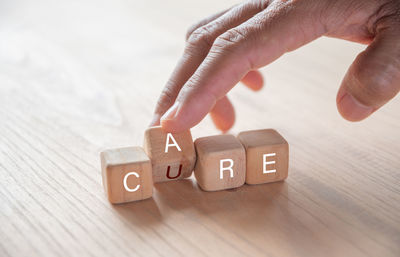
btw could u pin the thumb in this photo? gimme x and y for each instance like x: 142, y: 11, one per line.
x: 374, y: 77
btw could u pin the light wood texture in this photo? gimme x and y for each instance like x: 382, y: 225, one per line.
x: 221, y: 162
x: 78, y: 77
x: 172, y: 155
x: 126, y: 174
x: 267, y: 156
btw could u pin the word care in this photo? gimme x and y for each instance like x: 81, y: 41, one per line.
x: 219, y: 162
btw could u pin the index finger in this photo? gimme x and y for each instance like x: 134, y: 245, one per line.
x: 196, y: 50
x: 253, y: 44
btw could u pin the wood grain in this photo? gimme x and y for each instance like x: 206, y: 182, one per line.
x: 78, y: 77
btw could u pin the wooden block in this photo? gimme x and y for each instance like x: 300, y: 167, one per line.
x: 267, y: 156
x: 221, y: 162
x: 126, y: 174
x: 172, y: 155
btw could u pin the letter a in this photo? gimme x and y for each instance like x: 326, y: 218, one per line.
x: 222, y: 168
x: 167, y: 144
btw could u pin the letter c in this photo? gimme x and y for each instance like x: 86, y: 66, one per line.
x: 125, y: 182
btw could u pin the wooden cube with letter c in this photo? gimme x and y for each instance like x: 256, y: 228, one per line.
x: 267, y: 156
x: 126, y: 174
x: 172, y: 155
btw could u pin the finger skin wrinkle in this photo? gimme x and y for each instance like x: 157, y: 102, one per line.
x: 231, y: 37
x: 167, y: 97
x: 205, y: 21
x: 205, y: 35
x: 339, y: 13
x: 262, y: 4
x: 233, y: 42
x: 374, y: 89
x: 201, y: 37
x: 190, y: 85
x: 387, y: 16
x: 348, y: 19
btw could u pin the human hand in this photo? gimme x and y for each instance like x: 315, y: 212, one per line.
x: 230, y: 46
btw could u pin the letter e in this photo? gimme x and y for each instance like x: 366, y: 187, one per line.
x: 265, y: 163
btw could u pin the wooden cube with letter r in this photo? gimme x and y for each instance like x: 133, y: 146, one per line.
x: 221, y: 162
x: 267, y: 156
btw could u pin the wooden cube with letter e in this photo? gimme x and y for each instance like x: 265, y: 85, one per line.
x: 267, y: 156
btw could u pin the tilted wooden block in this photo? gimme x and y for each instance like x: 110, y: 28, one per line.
x: 221, y: 162
x: 267, y: 156
x: 172, y: 155
x: 126, y: 174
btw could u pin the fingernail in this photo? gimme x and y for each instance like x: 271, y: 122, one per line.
x: 171, y: 113
x: 352, y: 109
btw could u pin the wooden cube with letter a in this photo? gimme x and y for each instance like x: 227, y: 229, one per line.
x: 126, y: 174
x: 221, y: 162
x: 172, y: 155
x: 267, y: 156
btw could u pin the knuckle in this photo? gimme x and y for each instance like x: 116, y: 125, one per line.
x: 229, y: 40
x: 190, y: 30
x: 236, y: 41
x: 232, y: 36
x: 190, y: 86
x: 387, y: 16
x: 201, y: 37
x: 193, y: 28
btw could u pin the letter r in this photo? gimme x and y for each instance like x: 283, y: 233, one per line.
x: 222, y: 168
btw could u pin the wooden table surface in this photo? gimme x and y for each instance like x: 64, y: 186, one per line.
x: 80, y: 76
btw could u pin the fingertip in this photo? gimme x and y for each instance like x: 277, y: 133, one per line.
x: 350, y: 108
x: 222, y: 124
x: 253, y: 80
x: 169, y: 120
x: 182, y: 116
x: 223, y: 115
x: 169, y: 126
x: 174, y: 125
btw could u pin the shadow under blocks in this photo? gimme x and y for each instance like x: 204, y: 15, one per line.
x: 219, y: 162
